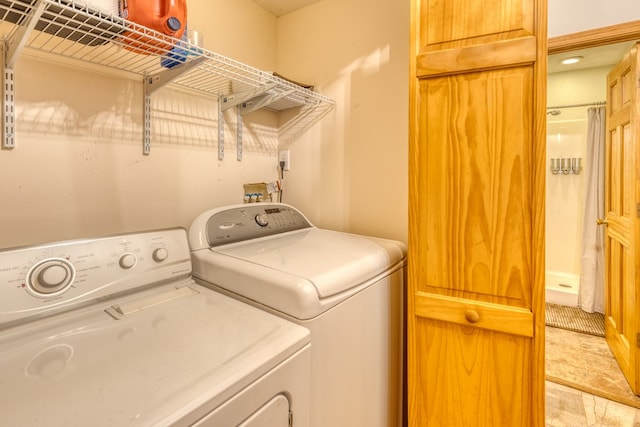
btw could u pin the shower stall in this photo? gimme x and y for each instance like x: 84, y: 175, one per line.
x: 566, y: 140
x: 574, y: 249
x: 570, y: 95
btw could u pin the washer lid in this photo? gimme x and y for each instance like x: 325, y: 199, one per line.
x: 332, y: 261
x: 154, y: 364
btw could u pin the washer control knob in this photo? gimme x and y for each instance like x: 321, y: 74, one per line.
x: 262, y: 219
x: 127, y: 260
x: 160, y: 254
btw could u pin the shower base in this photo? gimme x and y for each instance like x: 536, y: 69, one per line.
x: 562, y: 288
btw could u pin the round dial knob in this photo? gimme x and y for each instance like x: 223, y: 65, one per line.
x: 262, y: 219
x: 127, y: 260
x: 50, y: 276
x: 160, y: 254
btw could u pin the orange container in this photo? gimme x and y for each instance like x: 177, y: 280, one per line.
x: 168, y: 17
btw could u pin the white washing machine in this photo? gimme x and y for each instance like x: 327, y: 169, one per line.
x: 346, y: 289
x: 114, y: 332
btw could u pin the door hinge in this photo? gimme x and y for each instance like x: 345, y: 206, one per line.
x: 638, y: 340
x: 291, y: 413
x: 638, y: 210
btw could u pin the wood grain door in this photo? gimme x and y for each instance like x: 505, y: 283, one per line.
x: 622, y: 198
x: 476, y: 213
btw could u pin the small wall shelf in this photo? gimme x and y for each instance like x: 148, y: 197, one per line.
x: 72, y: 31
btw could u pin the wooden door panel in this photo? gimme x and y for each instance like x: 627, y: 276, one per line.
x: 473, y: 363
x: 475, y: 228
x: 450, y: 24
x: 615, y: 272
x: 463, y: 35
x: 438, y: 62
x: 615, y: 320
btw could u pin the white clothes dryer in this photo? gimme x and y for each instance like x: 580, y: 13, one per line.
x: 113, y: 331
x: 346, y: 289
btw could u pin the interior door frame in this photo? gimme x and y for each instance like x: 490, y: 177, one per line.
x: 629, y: 31
x: 597, y: 37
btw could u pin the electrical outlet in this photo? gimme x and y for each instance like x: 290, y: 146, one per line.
x: 283, y: 156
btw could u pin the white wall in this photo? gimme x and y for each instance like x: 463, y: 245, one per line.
x: 566, y: 137
x: 566, y: 17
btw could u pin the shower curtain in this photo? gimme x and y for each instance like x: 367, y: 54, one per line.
x: 591, y: 297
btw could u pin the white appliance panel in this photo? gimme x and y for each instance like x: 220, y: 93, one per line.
x: 101, y: 267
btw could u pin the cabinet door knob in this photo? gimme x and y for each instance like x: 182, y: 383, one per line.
x: 472, y: 316
x: 602, y: 221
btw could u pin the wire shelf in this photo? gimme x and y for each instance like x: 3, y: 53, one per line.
x: 73, y: 31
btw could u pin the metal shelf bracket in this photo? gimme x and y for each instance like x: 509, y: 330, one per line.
x: 152, y: 83
x: 246, y: 102
x: 156, y: 81
x: 258, y: 102
x: 220, y: 130
x: 239, y: 136
x: 8, y: 103
x: 234, y: 99
x: 19, y: 39
x: 11, y: 48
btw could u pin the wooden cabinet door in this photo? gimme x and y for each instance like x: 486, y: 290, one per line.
x: 622, y: 205
x: 476, y: 213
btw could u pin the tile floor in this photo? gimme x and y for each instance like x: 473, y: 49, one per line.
x: 568, y: 407
x: 584, y: 361
x: 575, y: 358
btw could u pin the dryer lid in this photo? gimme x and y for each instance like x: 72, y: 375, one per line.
x: 332, y: 261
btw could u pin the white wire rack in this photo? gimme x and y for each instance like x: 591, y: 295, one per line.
x: 73, y: 31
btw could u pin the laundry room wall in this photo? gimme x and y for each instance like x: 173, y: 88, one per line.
x: 350, y: 172
x: 78, y: 169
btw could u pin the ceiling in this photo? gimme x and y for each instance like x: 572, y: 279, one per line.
x: 282, y: 7
x: 593, y: 57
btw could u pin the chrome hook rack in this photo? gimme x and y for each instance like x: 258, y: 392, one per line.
x: 566, y: 166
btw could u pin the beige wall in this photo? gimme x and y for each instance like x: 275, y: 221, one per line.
x: 350, y: 172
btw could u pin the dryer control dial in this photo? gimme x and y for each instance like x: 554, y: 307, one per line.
x: 262, y: 219
x: 50, y: 276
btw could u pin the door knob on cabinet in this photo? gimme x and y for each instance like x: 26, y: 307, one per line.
x: 602, y: 221
x: 472, y: 316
